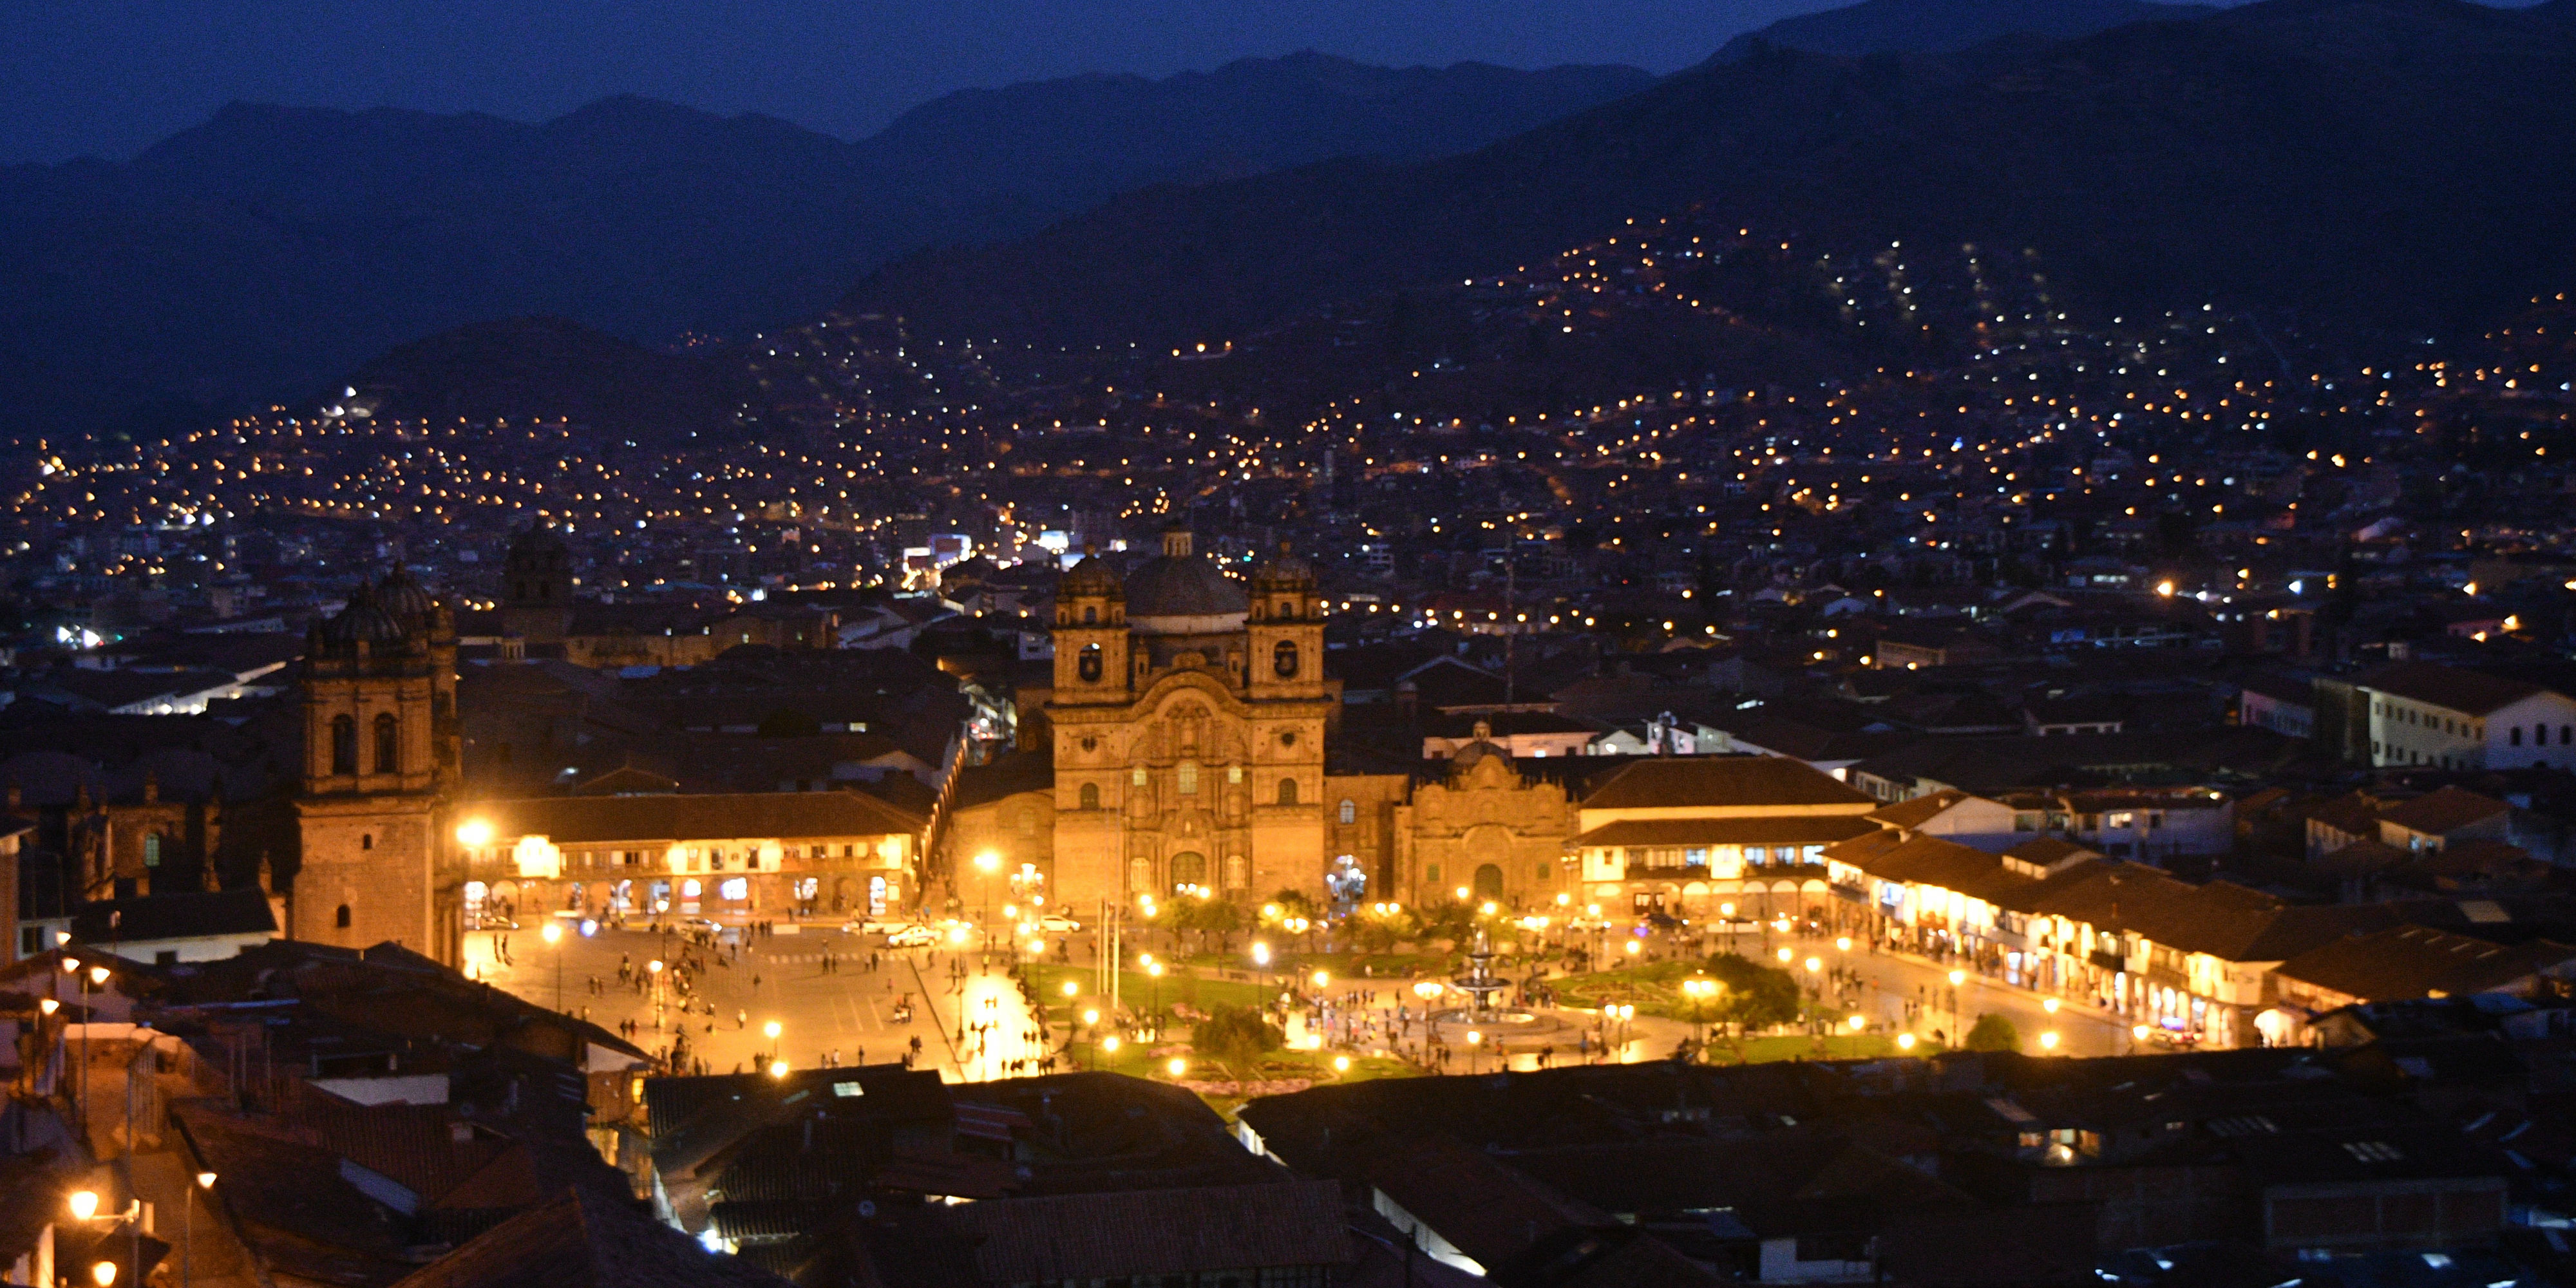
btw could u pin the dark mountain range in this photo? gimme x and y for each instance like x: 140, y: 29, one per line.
x: 2395, y: 164
x: 265, y: 253
x: 1947, y: 26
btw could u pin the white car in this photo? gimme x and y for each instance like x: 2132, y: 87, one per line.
x: 1055, y: 923
x: 911, y: 937
x: 885, y: 924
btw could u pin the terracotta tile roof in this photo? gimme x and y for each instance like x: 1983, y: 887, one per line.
x: 1920, y: 810
x: 586, y: 1241
x: 595, y: 820
x: 1730, y: 831
x: 1126, y: 1234
x: 2449, y: 687
x: 2443, y: 812
x: 1720, y: 781
x: 2417, y: 961
x: 1940, y: 864
x: 2048, y: 851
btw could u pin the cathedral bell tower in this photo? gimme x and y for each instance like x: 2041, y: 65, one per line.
x: 379, y: 763
x: 1091, y: 636
x: 1286, y: 628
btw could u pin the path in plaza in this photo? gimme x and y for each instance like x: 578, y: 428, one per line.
x: 847, y: 1013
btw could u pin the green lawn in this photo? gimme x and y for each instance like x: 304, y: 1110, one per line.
x: 1142, y: 991
x: 1654, y: 989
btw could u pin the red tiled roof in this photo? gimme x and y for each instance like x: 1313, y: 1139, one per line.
x: 2449, y: 687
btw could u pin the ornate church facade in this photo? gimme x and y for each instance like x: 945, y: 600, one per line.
x: 1188, y: 716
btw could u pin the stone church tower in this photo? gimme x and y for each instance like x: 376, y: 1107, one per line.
x: 536, y: 587
x: 380, y: 762
x: 1188, y: 718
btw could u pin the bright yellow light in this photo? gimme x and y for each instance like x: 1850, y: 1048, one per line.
x: 1634, y: 947
x: 1462, y: 894
x: 1109, y: 1043
x: 778, y: 1068
x: 1091, y: 1017
x: 1488, y: 908
x: 98, y: 974
x: 1786, y: 956
x: 48, y: 1006
x: 1260, y: 953
x: 104, y: 1273
x: 84, y: 1204
x: 550, y: 932
x: 71, y: 965
x: 474, y: 832
x: 655, y: 966
x: 2138, y: 1031
x: 1178, y: 1066
x: 1270, y: 910
x: 2165, y: 588
x: 2048, y: 1040
x: 1474, y: 1037
x: 1341, y: 1064
x: 772, y: 1029
x: 1070, y: 989
x: 1858, y: 1023
x: 988, y: 861
x: 1322, y: 978
x: 1726, y: 909
x: 205, y: 1180
x: 1958, y: 977
x: 1843, y: 944
x: 1815, y: 964
x: 2049, y: 1006
x: 1904, y: 1041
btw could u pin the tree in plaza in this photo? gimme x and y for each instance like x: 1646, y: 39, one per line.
x: 1218, y: 917
x: 1993, y: 1032
x: 1377, y: 930
x: 1236, y: 1036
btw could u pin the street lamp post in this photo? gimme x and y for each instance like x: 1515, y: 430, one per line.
x: 771, y: 1030
x: 1958, y: 1037
x: 188, y: 1227
x: 1475, y: 1043
x: 986, y: 864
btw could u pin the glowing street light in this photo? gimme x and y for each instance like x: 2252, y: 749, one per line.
x: 474, y: 833
x: 84, y: 1204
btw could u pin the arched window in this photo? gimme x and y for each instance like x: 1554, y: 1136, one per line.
x: 344, y: 745
x: 341, y: 918
x: 1189, y: 778
x: 1238, y: 872
x: 1091, y: 795
x: 1189, y: 867
x: 1287, y: 791
x: 1090, y: 616
x: 388, y: 746
x: 1350, y: 812
x: 1287, y: 609
x: 1283, y: 659
x: 1088, y: 665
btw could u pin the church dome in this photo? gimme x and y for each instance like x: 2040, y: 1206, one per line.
x: 403, y: 596
x: 1481, y: 749
x: 1093, y: 576
x: 1181, y: 584
x: 363, y: 621
x: 1283, y: 571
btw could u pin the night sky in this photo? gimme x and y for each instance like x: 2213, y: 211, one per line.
x: 107, y: 77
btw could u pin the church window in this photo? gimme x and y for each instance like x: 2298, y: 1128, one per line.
x: 1234, y: 773
x: 1283, y: 659
x: 366, y: 840
x: 1090, y: 616
x: 1091, y: 795
x: 1189, y: 868
x: 1238, y: 872
x: 1189, y: 778
x: 1088, y: 665
x: 1431, y: 874
x: 152, y: 849
x: 344, y: 745
x: 1137, y: 775
x: 1350, y: 812
x: 341, y: 918
x: 388, y: 745
x: 1028, y: 820
x: 1287, y: 609
x: 1287, y: 791
x: 1288, y: 738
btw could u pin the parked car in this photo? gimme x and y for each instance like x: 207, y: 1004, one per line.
x: 911, y: 937
x: 1056, y: 923
x: 879, y: 924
